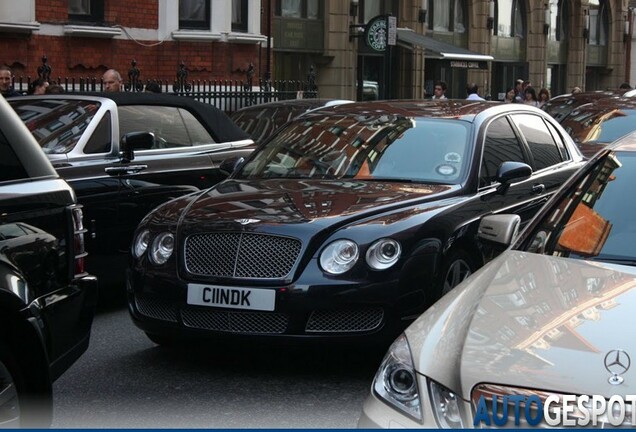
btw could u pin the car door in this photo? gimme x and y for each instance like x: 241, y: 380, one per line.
x: 184, y: 152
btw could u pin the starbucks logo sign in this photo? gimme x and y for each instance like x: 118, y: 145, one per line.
x: 375, y: 34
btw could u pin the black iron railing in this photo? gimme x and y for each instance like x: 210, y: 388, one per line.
x: 227, y: 95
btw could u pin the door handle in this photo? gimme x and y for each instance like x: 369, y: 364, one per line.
x: 125, y: 169
x: 538, y: 188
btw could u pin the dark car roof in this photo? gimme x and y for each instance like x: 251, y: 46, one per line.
x: 448, y: 108
x: 261, y: 120
x: 217, y: 123
x: 305, y: 104
x: 583, y: 120
x: 561, y: 106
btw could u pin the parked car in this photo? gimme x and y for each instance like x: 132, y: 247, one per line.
x: 348, y: 222
x: 561, y: 106
x: 549, y: 317
x: 126, y: 153
x: 261, y: 120
x: 595, y: 125
x: 47, y: 298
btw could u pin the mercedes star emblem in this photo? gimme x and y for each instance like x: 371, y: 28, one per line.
x: 617, y: 362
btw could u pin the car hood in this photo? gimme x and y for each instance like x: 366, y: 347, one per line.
x: 280, y: 204
x: 531, y: 321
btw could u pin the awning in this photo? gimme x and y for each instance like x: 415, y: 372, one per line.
x: 434, y: 49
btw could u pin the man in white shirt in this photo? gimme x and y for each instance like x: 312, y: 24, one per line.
x: 439, y: 91
x: 472, y: 90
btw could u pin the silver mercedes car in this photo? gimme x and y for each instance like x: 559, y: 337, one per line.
x: 543, y: 334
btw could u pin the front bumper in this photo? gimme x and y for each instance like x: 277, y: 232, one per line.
x: 352, y: 311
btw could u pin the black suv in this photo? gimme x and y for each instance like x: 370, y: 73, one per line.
x: 47, y: 300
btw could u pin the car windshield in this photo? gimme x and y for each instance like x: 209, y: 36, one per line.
x: 56, y: 124
x: 373, y: 147
x: 594, y: 220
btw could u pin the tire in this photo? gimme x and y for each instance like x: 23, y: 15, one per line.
x: 459, y: 264
x: 20, y: 408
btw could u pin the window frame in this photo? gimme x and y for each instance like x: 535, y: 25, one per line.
x: 304, y: 10
x: 451, y: 18
x: 95, y: 16
x: 187, y: 24
x: 242, y: 25
x: 517, y: 5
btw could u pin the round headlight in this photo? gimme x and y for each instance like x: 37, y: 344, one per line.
x: 402, y: 382
x: 339, y: 256
x: 383, y: 254
x: 141, y: 243
x: 162, y: 248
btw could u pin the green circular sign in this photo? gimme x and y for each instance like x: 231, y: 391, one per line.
x: 375, y: 34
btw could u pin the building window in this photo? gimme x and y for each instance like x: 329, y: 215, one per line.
x: 559, y: 22
x: 373, y: 8
x: 88, y: 11
x: 194, y: 14
x: 510, y: 18
x: 309, y: 9
x: 599, y: 22
x: 447, y: 16
x: 239, y: 15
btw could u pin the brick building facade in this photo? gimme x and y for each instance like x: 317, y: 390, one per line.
x: 147, y: 32
x: 557, y: 44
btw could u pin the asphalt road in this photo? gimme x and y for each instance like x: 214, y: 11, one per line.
x: 125, y: 381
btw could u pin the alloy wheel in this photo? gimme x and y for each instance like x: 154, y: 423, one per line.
x: 457, y: 272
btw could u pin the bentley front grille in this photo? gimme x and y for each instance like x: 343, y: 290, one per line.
x: 157, y: 309
x: 235, y: 322
x: 241, y: 255
x: 344, y: 321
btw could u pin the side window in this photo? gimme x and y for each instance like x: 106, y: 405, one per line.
x: 172, y: 126
x: 501, y: 145
x: 542, y: 146
x: 558, y: 138
x: 12, y: 168
x: 100, y: 140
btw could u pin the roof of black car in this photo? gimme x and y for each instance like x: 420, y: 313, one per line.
x: 447, y: 108
x: 217, y: 123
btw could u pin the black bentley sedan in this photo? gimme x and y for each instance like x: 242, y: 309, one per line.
x: 126, y: 153
x: 346, y: 224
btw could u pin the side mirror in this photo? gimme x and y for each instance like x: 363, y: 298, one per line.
x: 509, y: 172
x: 501, y: 229
x: 231, y: 165
x: 134, y: 141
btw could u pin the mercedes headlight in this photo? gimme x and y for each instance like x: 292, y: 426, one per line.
x: 383, y: 254
x: 396, y: 380
x: 140, y: 244
x: 339, y: 256
x: 162, y: 248
x: 446, y: 406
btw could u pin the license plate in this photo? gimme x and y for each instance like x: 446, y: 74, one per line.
x: 231, y: 297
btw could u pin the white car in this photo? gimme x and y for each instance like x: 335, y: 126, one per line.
x: 547, y: 327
